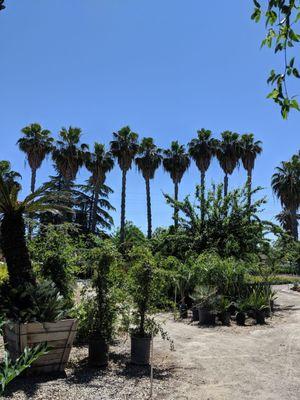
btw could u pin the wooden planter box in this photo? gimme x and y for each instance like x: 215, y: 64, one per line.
x: 58, y: 335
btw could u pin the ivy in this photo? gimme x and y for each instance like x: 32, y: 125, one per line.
x: 281, y: 17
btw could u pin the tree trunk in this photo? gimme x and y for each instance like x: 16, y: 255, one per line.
x: 176, y: 211
x: 94, y: 207
x: 225, y: 184
x: 294, y: 223
x: 123, y: 207
x: 249, y: 186
x: 33, y: 180
x: 149, y: 216
x: 15, y: 250
x: 202, y: 198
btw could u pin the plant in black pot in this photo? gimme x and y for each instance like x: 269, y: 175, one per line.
x: 102, y: 322
x: 242, y: 309
x: 258, y: 302
x: 205, y: 300
x: 223, y: 308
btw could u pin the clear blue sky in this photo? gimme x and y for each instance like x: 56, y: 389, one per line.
x: 164, y: 67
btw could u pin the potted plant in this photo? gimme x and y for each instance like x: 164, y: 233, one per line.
x: 259, y: 302
x: 223, y: 307
x: 36, y: 312
x: 102, y: 321
x: 205, y: 300
x: 242, y: 308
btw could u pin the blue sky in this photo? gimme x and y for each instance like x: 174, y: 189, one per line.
x: 166, y: 68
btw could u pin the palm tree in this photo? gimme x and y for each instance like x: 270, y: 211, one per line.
x: 13, y: 241
x: 228, y: 154
x: 124, y: 148
x: 147, y: 163
x: 285, y: 219
x: 99, y: 163
x: 10, y: 177
x: 286, y: 186
x: 202, y: 149
x: 250, y: 149
x: 69, y: 155
x: 176, y: 162
x: 36, y: 144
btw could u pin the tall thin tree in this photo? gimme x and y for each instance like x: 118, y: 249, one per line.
x: 36, y: 144
x: 99, y: 163
x: 176, y: 162
x: 286, y: 186
x: 124, y: 147
x: 201, y: 150
x: 250, y: 149
x: 228, y: 154
x: 148, y: 160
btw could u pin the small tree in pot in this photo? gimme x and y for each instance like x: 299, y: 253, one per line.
x: 102, y: 323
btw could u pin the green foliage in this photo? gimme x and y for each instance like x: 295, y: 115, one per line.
x: 32, y: 303
x: 133, y: 237
x: 3, y: 273
x: 281, y: 18
x: 10, y: 370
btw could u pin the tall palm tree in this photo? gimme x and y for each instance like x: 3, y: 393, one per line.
x: 250, y: 149
x: 99, y: 163
x: 149, y: 159
x: 202, y: 149
x: 285, y: 218
x: 176, y: 162
x: 124, y: 148
x: 69, y: 155
x: 286, y: 186
x: 13, y: 241
x: 36, y: 144
x: 10, y: 177
x: 228, y: 154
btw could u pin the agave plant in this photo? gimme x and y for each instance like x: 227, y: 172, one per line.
x: 13, y: 241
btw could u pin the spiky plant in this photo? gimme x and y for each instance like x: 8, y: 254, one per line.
x: 36, y: 144
x: 148, y: 160
x: 124, y: 148
x: 69, y: 154
x: 13, y: 241
x: 250, y: 149
x: 176, y: 162
x: 201, y: 150
x: 228, y: 154
x: 99, y: 163
x: 286, y: 186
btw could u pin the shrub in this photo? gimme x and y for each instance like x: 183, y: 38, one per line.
x: 3, y: 273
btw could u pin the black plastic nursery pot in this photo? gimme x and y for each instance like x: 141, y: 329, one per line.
x: 224, y: 317
x: 98, y: 352
x: 260, y: 317
x: 206, y: 317
x: 140, y: 350
x: 240, y: 318
x: 183, y: 311
x: 195, y: 315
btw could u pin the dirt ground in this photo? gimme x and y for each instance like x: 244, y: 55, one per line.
x: 220, y: 363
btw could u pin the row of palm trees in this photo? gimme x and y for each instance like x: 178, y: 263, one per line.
x: 69, y: 155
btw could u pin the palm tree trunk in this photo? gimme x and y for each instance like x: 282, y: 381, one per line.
x: 225, y: 184
x: 294, y: 223
x: 33, y: 180
x: 202, y: 198
x: 176, y: 208
x: 123, y: 207
x: 94, y: 207
x: 249, y: 186
x: 15, y: 250
x: 149, y: 216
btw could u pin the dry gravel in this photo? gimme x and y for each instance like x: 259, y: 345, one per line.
x: 221, y: 363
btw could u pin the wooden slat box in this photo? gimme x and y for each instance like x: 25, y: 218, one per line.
x: 58, y: 335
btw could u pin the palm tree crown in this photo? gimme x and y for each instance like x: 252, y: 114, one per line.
x: 69, y: 155
x: 124, y: 147
x: 249, y: 149
x: 10, y: 177
x: 36, y: 144
x: 176, y: 161
x: 202, y: 149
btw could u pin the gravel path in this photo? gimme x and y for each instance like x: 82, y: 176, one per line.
x: 221, y: 363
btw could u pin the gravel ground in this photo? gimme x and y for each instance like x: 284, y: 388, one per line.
x: 221, y: 363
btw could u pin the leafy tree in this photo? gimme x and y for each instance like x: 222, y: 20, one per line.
x: 133, y: 237
x: 202, y: 149
x: 176, y: 162
x: 148, y: 160
x: 36, y: 144
x: 124, y: 148
x: 228, y: 154
x: 13, y: 241
x: 286, y: 186
x: 99, y: 163
x: 10, y: 177
x: 69, y: 155
x: 250, y: 149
